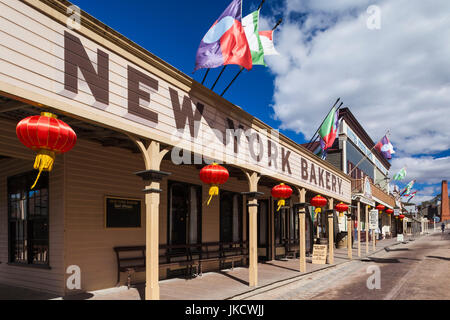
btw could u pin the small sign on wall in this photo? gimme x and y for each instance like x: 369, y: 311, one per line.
x: 122, y: 212
x: 400, y: 238
x: 319, y: 254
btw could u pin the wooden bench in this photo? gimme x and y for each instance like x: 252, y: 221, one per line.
x: 133, y: 261
x: 210, y: 251
x: 292, y: 248
x: 233, y: 251
x: 180, y: 256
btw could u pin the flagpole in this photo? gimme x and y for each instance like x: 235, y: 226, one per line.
x: 365, y: 155
x: 220, y: 74
x: 261, y: 4
x: 314, y: 136
x: 240, y: 71
x: 235, y: 77
x: 206, y: 74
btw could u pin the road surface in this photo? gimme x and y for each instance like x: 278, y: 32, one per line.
x: 419, y: 269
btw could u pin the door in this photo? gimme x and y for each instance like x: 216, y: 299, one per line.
x: 263, y: 229
x: 184, y: 214
x: 230, y: 217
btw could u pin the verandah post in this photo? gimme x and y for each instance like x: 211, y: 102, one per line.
x: 330, y: 231
x: 153, y: 156
x: 253, y: 179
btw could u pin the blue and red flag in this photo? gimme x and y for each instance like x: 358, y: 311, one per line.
x: 226, y: 42
x: 385, y: 147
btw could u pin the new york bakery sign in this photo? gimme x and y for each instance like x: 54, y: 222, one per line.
x: 55, y: 61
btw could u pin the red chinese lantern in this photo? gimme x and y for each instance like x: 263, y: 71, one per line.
x: 401, y: 216
x: 341, y: 208
x: 214, y: 175
x: 389, y: 211
x: 380, y: 207
x: 319, y: 202
x: 282, y: 192
x: 48, y: 136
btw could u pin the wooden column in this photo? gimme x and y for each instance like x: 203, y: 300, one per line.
x: 349, y: 236
x: 330, y: 231
x: 367, y: 229
x: 302, y: 228
x: 359, y: 227
x: 253, y: 179
x: 153, y: 156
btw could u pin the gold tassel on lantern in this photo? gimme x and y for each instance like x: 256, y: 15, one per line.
x: 44, y: 162
x: 317, y: 211
x: 281, y: 203
x: 213, y: 191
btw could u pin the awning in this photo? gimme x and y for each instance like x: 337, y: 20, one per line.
x: 361, y: 198
x: 383, y: 203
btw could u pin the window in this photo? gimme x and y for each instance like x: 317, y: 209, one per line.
x: 28, y: 221
x: 230, y: 217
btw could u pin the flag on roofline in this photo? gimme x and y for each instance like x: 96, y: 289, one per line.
x: 319, y: 151
x: 251, y: 27
x: 329, y: 128
x: 267, y: 43
x: 413, y: 194
x: 408, y: 188
x: 385, y: 147
x: 400, y: 175
x: 225, y: 42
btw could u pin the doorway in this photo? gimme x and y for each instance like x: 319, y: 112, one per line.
x: 184, y: 214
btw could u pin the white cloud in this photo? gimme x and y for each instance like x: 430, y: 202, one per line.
x: 394, y: 78
x: 426, y: 170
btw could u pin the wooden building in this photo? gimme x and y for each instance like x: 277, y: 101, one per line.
x: 144, y: 131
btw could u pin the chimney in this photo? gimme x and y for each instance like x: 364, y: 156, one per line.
x: 445, y: 210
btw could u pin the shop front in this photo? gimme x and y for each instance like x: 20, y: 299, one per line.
x: 145, y: 130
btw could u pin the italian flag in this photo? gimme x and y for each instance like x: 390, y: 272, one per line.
x: 267, y: 43
x: 251, y: 28
x: 329, y: 128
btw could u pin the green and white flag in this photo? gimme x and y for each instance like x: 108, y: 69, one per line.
x: 251, y: 27
x: 400, y: 175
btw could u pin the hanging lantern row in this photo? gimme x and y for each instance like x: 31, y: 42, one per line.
x: 401, y: 216
x: 380, y: 207
x: 389, y: 211
x: 281, y: 192
x: 48, y: 136
x: 214, y: 175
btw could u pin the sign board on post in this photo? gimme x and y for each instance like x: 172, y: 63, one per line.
x: 373, y: 219
x: 396, y: 212
x: 319, y: 254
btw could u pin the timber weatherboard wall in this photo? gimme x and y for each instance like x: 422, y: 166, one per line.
x: 49, y: 280
x: 92, y: 173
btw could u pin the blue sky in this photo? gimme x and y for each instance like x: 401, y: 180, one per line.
x: 393, y: 77
x: 172, y: 30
